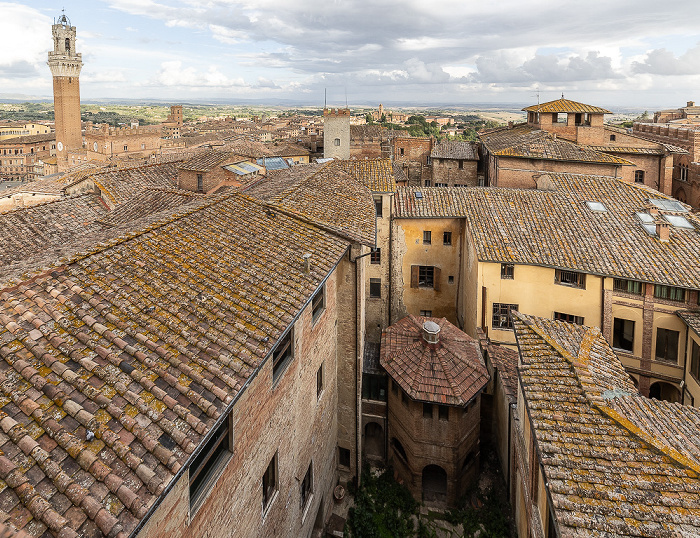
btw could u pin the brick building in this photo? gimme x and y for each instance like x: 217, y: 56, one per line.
x: 336, y: 133
x: 437, y: 374
x: 412, y: 154
x: 22, y: 158
x: 455, y: 164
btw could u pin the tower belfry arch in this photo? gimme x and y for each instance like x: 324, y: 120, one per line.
x: 65, y: 64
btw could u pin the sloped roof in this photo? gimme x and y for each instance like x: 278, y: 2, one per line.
x: 615, y: 463
x: 455, y: 149
x: 557, y: 229
x: 692, y: 319
x: 566, y: 105
x: 122, y: 184
x: 529, y: 142
x: 450, y: 373
x: 147, y: 202
x: 378, y: 175
x: 29, y: 139
x: 207, y: 161
x: 143, y: 341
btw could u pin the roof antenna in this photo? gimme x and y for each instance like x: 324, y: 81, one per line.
x: 325, y: 97
x: 562, y: 95
x: 346, y: 97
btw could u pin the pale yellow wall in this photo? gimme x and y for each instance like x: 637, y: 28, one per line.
x: 534, y: 291
x: 691, y: 383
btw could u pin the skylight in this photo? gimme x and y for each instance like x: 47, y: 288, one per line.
x: 646, y: 218
x: 668, y: 205
x: 679, y: 222
x: 419, y: 194
x: 597, y: 206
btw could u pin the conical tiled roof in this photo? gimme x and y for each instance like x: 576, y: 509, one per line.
x: 450, y: 372
x: 566, y: 105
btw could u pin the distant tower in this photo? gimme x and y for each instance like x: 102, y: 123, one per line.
x: 336, y: 133
x: 65, y: 64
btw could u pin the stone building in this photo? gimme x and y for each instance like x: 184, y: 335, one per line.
x: 65, y: 64
x: 437, y: 374
x: 22, y: 158
x: 336, y: 133
x: 591, y: 457
x: 584, y: 249
x: 412, y: 154
x: 189, y: 369
x: 455, y: 164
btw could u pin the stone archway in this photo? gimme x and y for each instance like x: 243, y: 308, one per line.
x: 664, y: 391
x: 374, y: 441
x: 434, y: 484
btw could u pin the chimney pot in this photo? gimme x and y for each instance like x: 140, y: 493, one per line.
x: 307, y: 262
x: 431, y: 332
x: 662, y: 230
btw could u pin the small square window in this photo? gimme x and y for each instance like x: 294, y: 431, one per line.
x: 612, y: 138
x: 443, y: 412
x: 376, y: 256
x: 447, y: 238
x: 570, y: 278
x: 426, y: 313
x: 450, y: 279
x: 501, y: 315
x: 507, y: 270
x: 375, y: 287
x: 639, y: 176
x: 343, y: 456
x: 282, y: 356
x: 427, y: 237
x: 426, y: 276
x: 336, y: 142
x: 318, y: 303
x: 269, y: 483
x: 319, y: 381
x: 427, y: 410
x: 307, y: 487
x: 126, y: 148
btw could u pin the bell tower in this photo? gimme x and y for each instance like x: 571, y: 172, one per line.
x: 65, y: 64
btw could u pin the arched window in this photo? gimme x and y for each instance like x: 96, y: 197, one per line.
x: 67, y: 45
x: 434, y: 483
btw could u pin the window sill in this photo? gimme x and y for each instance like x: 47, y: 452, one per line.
x: 208, y: 485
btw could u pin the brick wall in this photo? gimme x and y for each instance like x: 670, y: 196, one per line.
x: 448, y: 171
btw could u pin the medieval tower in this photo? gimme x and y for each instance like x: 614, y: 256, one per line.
x: 336, y: 133
x: 65, y: 64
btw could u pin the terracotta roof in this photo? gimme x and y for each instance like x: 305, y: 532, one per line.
x: 143, y: 345
x: 449, y: 373
x: 250, y: 148
x: 453, y: 149
x: 627, y: 149
x: 378, y: 175
x: 557, y: 229
x: 29, y: 139
x: 208, y: 160
x: 323, y: 194
x: 27, y: 231
x: 692, y: 319
x: 365, y: 131
x: 529, y: 142
x: 505, y: 360
x: 399, y: 174
x: 566, y: 105
x: 290, y: 150
x: 47, y: 185
x: 122, y: 184
x: 147, y: 202
x: 615, y: 463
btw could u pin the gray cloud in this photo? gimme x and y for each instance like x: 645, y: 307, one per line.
x: 664, y: 62
x: 19, y: 69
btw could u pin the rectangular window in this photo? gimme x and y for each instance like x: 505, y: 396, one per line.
x: 318, y: 303
x: 319, y: 381
x: 269, y: 483
x: 612, y: 138
x: 307, y: 487
x: 209, y: 463
x: 126, y: 147
x: 401, y: 152
x: 374, y: 387
x: 570, y: 278
x: 666, y: 345
x: 460, y: 164
x: 507, y: 270
x: 426, y: 276
x: 426, y: 313
x: 623, y: 334
x: 569, y: 318
x: 501, y: 315
x: 427, y: 410
x: 336, y: 142
x: 639, y: 176
x: 378, y: 207
x: 375, y: 287
x: 143, y: 146
x: 200, y: 183
x: 443, y: 412
x: 282, y: 356
x: 343, y: 456
x: 627, y: 286
x: 441, y: 184
x: 695, y: 360
x: 427, y: 237
x: 446, y: 238
x: 376, y: 256
x: 670, y: 293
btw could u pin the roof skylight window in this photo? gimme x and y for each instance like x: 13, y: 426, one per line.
x: 419, y: 194
x: 646, y: 218
x: 668, y: 205
x: 597, y: 206
x: 679, y: 222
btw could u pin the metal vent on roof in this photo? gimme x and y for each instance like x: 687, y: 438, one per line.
x: 668, y: 205
x: 597, y: 206
x: 679, y: 222
x: 419, y: 194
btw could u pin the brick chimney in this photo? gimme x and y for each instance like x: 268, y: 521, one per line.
x: 691, y: 103
x: 663, y: 231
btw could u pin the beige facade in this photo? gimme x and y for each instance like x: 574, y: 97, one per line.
x: 336, y: 133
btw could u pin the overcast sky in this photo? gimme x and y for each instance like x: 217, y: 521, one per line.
x: 614, y: 53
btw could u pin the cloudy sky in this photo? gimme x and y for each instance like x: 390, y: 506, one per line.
x: 615, y: 53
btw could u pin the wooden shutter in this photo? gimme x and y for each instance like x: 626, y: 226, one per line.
x: 436, y: 278
x: 414, y: 276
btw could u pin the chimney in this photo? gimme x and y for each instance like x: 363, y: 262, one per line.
x: 431, y: 334
x: 510, y: 125
x: 653, y: 211
x: 662, y: 230
x: 307, y: 262
x: 691, y: 103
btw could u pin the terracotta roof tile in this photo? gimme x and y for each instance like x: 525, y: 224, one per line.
x: 451, y: 373
x: 566, y: 105
x: 556, y: 228
x: 378, y: 175
x: 453, y: 149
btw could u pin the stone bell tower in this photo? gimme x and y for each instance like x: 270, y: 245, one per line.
x: 65, y: 64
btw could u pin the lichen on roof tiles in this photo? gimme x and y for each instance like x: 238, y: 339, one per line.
x: 566, y: 105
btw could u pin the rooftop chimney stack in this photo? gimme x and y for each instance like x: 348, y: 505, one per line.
x: 691, y: 103
x: 663, y: 231
x: 307, y: 262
